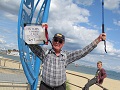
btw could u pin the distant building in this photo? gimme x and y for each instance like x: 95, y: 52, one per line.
x: 3, y: 51
x: 14, y: 53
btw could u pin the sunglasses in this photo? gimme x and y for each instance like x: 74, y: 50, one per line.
x: 58, y: 40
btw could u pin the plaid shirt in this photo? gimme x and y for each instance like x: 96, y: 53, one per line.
x: 54, y: 67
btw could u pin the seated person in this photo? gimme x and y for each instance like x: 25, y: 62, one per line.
x: 99, y: 77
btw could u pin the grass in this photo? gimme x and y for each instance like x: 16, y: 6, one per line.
x: 67, y: 86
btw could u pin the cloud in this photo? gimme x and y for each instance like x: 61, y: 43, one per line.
x: 64, y: 10
x: 84, y: 2
x: 117, y: 22
x: 5, y: 43
x: 79, y: 37
x: 64, y: 15
x: 10, y: 6
x: 112, y: 4
x: 2, y: 41
x: 109, y: 29
x: 9, y: 9
x: 10, y: 46
x: 11, y: 16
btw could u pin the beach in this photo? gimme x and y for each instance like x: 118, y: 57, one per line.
x: 108, y: 83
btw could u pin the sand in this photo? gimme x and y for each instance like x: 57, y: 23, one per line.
x: 108, y: 83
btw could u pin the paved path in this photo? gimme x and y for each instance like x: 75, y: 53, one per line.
x: 5, y: 77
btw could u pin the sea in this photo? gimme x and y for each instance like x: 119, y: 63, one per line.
x: 79, y: 68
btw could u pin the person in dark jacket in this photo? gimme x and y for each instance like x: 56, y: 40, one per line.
x: 99, y: 77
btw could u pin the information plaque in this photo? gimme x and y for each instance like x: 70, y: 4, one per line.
x: 34, y: 34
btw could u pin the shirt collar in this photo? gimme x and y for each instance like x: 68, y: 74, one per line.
x: 61, y: 52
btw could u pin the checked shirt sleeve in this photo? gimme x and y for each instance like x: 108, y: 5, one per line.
x: 37, y: 50
x: 78, y: 54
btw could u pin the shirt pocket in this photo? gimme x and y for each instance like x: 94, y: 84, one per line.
x: 62, y: 63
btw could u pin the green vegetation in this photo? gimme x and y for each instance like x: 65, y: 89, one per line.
x: 67, y: 86
x: 9, y: 51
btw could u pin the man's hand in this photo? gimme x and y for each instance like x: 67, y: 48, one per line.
x: 44, y: 25
x: 98, y: 80
x: 101, y: 37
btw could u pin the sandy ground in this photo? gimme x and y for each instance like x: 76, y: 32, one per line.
x: 110, y: 84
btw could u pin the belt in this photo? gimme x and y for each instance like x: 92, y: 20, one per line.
x: 51, y: 87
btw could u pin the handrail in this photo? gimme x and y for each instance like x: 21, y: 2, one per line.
x: 14, y: 84
x: 85, y: 78
x: 4, y: 60
x: 74, y: 85
x: 77, y: 75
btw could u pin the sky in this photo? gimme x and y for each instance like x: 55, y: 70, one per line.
x: 79, y: 20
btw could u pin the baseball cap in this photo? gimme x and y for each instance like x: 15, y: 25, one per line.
x: 59, y: 35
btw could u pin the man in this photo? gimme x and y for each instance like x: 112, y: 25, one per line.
x: 55, y: 61
x: 99, y: 77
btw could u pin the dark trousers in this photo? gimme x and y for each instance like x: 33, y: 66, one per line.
x: 43, y: 86
x: 90, y: 83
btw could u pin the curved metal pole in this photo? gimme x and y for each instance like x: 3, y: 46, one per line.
x: 26, y: 14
